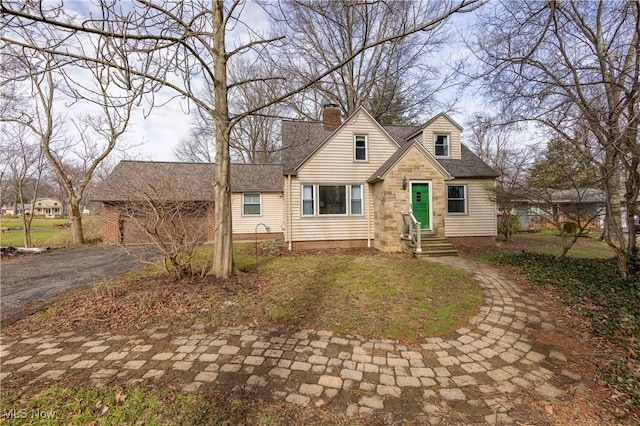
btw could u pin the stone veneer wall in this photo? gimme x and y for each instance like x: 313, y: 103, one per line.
x: 391, y: 199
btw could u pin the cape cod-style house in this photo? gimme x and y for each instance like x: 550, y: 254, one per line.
x: 341, y: 184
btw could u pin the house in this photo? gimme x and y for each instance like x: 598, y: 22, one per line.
x: 47, y: 207
x: 256, y: 199
x: 544, y: 207
x: 341, y: 184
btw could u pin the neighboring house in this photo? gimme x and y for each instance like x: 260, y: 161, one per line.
x: 351, y: 184
x: 47, y: 207
x: 561, y: 206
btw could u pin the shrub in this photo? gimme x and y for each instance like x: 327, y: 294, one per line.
x: 570, y: 228
x: 508, y: 224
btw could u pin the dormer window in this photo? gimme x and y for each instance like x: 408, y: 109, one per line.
x: 442, y: 145
x: 360, y: 148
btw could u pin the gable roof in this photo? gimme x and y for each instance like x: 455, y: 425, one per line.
x: 301, y: 138
x: 135, y: 180
x: 352, y: 117
x: 387, y: 165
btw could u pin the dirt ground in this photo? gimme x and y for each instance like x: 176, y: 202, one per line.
x: 30, y: 283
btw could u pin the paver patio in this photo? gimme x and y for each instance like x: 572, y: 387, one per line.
x: 472, y: 373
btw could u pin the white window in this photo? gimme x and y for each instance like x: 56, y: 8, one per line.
x: 331, y: 200
x: 307, y: 200
x: 360, y: 148
x: 456, y: 199
x: 442, y: 145
x: 356, y: 199
x: 251, y: 204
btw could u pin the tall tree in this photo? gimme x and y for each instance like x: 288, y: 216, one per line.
x: 394, y: 80
x: 562, y: 166
x: 184, y: 46
x: 574, y: 67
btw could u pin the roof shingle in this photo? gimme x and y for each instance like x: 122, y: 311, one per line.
x: 135, y: 180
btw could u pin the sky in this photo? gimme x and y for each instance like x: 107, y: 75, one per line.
x: 155, y: 133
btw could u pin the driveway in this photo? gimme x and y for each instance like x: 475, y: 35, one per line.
x: 31, y: 283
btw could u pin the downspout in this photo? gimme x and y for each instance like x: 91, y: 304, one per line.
x: 288, y: 210
x: 368, y: 207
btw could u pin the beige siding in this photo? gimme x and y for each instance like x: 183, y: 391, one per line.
x: 442, y: 125
x: 480, y: 219
x: 334, y: 163
x: 272, y: 213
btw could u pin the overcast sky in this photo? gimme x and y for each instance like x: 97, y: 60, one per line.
x: 155, y: 133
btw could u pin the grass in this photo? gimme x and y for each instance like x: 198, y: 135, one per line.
x: 43, y: 233
x: 358, y: 292
x: 370, y: 295
x: 364, y: 293
x: 548, y: 241
x: 137, y: 405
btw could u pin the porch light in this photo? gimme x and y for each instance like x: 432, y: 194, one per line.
x: 405, y: 182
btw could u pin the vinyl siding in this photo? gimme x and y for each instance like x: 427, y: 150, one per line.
x: 334, y: 163
x: 442, y: 126
x: 480, y: 219
x: 272, y: 213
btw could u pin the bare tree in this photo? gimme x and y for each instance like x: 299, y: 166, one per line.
x: 73, y: 158
x: 25, y: 167
x: 161, y: 40
x: 199, y: 146
x: 574, y: 67
x: 394, y: 80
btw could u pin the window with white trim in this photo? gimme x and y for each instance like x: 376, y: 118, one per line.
x: 307, y: 200
x: 356, y: 199
x: 339, y: 200
x: 456, y: 199
x: 360, y: 148
x: 251, y: 204
x: 441, y: 145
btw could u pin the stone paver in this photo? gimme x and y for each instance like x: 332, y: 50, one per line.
x: 474, y: 369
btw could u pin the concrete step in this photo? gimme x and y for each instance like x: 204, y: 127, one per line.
x: 436, y: 246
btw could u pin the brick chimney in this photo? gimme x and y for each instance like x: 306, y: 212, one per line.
x: 331, y: 117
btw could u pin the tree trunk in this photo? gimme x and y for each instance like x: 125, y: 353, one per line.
x: 76, y: 222
x: 26, y: 231
x: 222, y: 235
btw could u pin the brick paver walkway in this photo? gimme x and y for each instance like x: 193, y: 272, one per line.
x: 473, y: 373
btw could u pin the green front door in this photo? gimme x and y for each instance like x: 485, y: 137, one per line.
x: 420, y: 203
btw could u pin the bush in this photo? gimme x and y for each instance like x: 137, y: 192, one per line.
x: 570, y: 228
x: 508, y: 224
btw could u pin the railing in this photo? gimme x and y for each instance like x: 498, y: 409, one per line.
x: 411, y: 230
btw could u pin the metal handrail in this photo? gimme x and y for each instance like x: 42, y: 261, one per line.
x: 411, y: 230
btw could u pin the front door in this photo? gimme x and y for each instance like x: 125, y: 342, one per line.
x: 420, y: 203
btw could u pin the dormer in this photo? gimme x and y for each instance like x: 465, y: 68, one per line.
x: 441, y: 137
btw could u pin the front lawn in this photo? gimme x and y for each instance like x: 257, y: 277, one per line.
x: 357, y: 292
